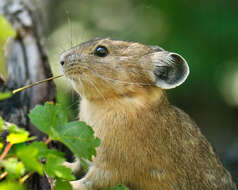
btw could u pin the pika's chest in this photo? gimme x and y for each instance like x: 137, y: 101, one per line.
x: 116, y: 128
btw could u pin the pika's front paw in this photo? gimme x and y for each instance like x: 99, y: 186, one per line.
x: 80, y: 185
x: 75, y: 166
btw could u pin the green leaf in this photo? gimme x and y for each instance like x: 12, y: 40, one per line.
x: 11, y: 185
x: 79, y: 138
x: 28, y: 154
x: 16, y: 138
x: 54, y: 161
x: 48, y: 117
x: 62, y: 185
x: 5, y: 95
x: 44, y: 151
x: 14, y: 168
x: 17, y: 135
x: 54, y: 168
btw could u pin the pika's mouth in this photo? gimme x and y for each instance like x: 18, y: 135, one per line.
x: 73, y: 71
x: 72, y: 75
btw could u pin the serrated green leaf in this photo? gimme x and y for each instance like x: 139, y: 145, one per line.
x: 54, y: 168
x: 28, y: 154
x: 48, y: 117
x: 5, y: 95
x: 79, y: 138
x: 14, y: 168
x: 44, y: 151
x: 54, y: 162
x: 20, y: 137
x: 17, y: 135
x: 11, y: 185
x: 62, y: 185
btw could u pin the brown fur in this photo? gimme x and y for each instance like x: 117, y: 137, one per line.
x: 146, y: 143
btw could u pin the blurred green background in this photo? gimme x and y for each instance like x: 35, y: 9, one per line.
x: 204, y: 32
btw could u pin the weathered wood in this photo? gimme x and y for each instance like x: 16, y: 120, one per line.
x: 27, y: 62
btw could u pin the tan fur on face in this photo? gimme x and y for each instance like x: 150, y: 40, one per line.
x: 99, y: 78
x: 146, y: 143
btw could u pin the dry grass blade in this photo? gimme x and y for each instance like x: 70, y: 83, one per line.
x: 34, y: 84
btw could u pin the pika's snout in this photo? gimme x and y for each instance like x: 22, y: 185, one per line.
x: 61, y: 59
x: 68, y: 58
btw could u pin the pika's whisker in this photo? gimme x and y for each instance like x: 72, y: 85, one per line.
x: 110, y: 83
x: 91, y: 82
x: 122, y: 82
x: 83, y: 88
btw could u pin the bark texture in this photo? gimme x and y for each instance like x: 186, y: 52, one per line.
x: 27, y: 62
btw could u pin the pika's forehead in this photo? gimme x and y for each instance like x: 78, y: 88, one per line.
x: 115, y: 47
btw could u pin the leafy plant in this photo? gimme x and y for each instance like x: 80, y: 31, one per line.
x: 21, y: 155
x: 77, y: 136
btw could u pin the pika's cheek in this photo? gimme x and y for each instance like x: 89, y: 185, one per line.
x: 73, y: 83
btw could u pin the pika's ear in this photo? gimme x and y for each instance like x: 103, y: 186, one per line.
x: 156, y: 48
x: 170, y: 69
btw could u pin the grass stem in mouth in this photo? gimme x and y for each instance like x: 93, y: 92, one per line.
x: 34, y: 84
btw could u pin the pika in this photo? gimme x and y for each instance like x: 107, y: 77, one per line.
x: 146, y: 143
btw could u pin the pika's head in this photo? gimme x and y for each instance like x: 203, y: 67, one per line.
x: 104, y: 68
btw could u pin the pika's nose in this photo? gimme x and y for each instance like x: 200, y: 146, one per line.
x: 62, y: 59
x: 62, y: 62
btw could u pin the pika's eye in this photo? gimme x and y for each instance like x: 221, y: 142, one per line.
x: 101, y: 51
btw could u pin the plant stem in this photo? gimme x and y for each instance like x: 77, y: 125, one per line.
x: 3, y: 175
x: 25, y: 177
x: 6, y: 150
x: 48, y: 141
x: 36, y: 83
